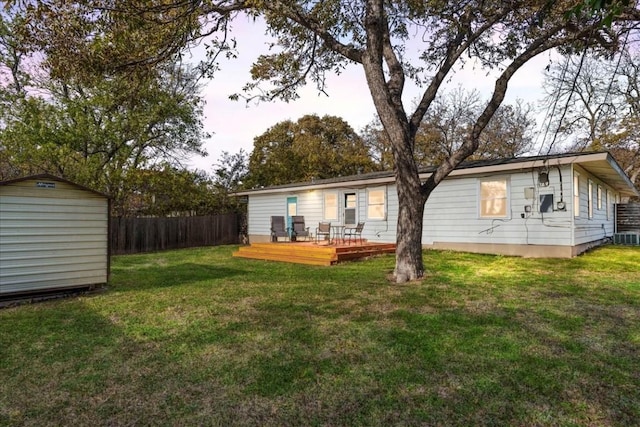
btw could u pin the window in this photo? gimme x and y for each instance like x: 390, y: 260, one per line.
x: 590, y: 199
x: 599, y: 198
x: 607, y: 203
x: 375, y: 203
x: 493, y: 199
x: 330, y: 206
x: 576, y: 194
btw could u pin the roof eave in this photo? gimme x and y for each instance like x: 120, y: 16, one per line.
x: 55, y: 178
x: 618, y: 179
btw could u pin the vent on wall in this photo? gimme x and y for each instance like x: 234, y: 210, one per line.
x: 626, y: 239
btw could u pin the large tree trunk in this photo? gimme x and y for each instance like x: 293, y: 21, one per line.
x: 411, y: 201
x: 409, y: 264
x: 386, y: 92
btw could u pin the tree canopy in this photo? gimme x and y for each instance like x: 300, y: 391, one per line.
x: 99, y: 131
x: 444, y: 127
x: 311, y: 148
x: 314, y: 38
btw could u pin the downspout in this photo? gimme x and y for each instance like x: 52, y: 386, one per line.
x: 573, y: 208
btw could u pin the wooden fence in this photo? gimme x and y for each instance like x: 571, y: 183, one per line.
x: 135, y: 235
x: 628, y: 217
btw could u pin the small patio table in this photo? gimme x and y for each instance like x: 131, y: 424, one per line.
x: 337, y: 230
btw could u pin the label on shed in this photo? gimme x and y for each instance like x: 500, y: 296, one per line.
x: 41, y: 184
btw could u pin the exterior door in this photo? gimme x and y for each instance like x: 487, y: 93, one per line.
x: 292, y: 209
x: 350, y: 208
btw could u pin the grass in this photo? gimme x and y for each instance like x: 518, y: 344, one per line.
x: 195, y: 337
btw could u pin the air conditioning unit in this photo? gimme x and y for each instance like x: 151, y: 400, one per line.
x: 626, y: 239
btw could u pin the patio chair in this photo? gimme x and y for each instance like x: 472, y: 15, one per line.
x: 299, y: 229
x: 323, y: 229
x: 278, y: 228
x: 353, y: 233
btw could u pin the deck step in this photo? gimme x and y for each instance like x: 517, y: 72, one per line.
x: 349, y: 256
x: 311, y: 254
x: 275, y: 257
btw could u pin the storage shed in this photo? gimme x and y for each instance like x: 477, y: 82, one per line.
x: 54, y: 235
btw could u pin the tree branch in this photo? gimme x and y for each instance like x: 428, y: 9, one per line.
x: 455, y: 49
x: 543, y: 43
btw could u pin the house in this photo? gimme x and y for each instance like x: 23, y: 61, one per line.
x: 543, y: 206
x: 54, y: 235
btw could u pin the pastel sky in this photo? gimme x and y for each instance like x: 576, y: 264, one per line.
x: 234, y: 124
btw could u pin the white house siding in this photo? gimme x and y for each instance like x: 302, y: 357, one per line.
x: 593, y: 229
x: 385, y: 230
x: 259, y: 212
x: 452, y: 219
x: 452, y: 214
x: 311, y: 206
x: 262, y: 207
x: 51, y: 237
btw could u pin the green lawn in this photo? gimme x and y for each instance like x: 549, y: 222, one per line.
x: 195, y: 337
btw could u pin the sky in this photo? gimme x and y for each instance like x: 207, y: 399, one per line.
x: 234, y: 124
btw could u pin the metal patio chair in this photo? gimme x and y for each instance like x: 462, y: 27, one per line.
x: 278, y: 228
x: 353, y: 233
x: 299, y: 228
x: 324, y: 230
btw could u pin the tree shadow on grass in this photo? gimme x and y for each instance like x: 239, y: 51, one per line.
x: 58, y: 362
x: 172, y: 275
x: 81, y: 362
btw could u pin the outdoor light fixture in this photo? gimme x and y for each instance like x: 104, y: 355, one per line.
x: 543, y: 179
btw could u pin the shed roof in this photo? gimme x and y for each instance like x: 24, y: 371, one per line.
x: 600, y: 164
x: 52, y: 178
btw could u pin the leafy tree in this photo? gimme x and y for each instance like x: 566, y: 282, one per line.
x: 509, y: 132
x: 94, y: 131
x: 314, y: 38
x: 229, y: 175
x: 376, y: 139
x: 231, y: 170
x: 97, y: 135
x: 165, y: 190
x: 311, y: 148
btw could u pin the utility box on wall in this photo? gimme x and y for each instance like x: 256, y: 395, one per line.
x: 54, y: 235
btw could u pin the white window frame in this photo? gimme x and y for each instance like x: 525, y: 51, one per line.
x: 383, y: 216
x: 506, y: 198
x: 590, y: 198
x: 599, y: 197
x: 576, y: 194
x: 344, y: 206
x: 326, y: 215
x: 608, y: 204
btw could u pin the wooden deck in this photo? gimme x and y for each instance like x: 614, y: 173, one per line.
x: 313, y: 254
